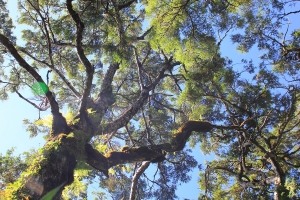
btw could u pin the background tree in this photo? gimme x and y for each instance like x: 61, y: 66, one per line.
x: 132, y: 95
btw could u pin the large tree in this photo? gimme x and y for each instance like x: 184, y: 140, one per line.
x: 134, y: 80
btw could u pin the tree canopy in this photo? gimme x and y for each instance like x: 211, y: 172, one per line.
x: 128, y: 83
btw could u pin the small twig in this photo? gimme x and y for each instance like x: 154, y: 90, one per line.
x: 36, y: 106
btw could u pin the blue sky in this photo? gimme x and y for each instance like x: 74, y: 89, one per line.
x: 14, y: 110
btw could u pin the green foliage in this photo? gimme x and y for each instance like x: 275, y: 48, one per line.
x: 46, y: 121
x: 12, y: 170
x: 101, y: 148
x: 38, y: 126
x: 253, y: 105
x: 293, y: 187
x: 6, y: 23
x: 77, y: 190
x: 11, y: 167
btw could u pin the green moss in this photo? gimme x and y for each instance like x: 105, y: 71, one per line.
x: 71, y: 135
x: 125, y: 148
x: 94, y: 116
x: 17, y: 189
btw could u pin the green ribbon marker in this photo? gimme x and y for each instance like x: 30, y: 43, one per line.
x: 39, y: 88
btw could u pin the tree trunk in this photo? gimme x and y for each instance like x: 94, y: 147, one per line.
x: 52, y: 168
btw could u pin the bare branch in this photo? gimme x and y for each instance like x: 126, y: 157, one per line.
x: 266, y: 119
x: 108, y: 138
x: 147, y: 128
x: 136, y: 177
x: 289, y: 13
x: 221, y: 39
x: 273, y: 39
x: 139, y: 68
x: 46, y: 32
x: 166, y: 106
x: 36, y: 106
x: 63, y: 44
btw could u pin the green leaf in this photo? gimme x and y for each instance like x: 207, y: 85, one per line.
x: 52, y: 193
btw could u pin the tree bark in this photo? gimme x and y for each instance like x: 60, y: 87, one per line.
x: 135, y: 179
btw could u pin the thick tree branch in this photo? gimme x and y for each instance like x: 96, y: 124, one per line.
x: 96, y: 159
x: 80, y: 52
x: 125, y: 5
x: 142, y: 37
x: 59, y: 122
x: 153, y: 153
x: 105, y: 97
x: 135, y: 154
x: 184, y: 132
